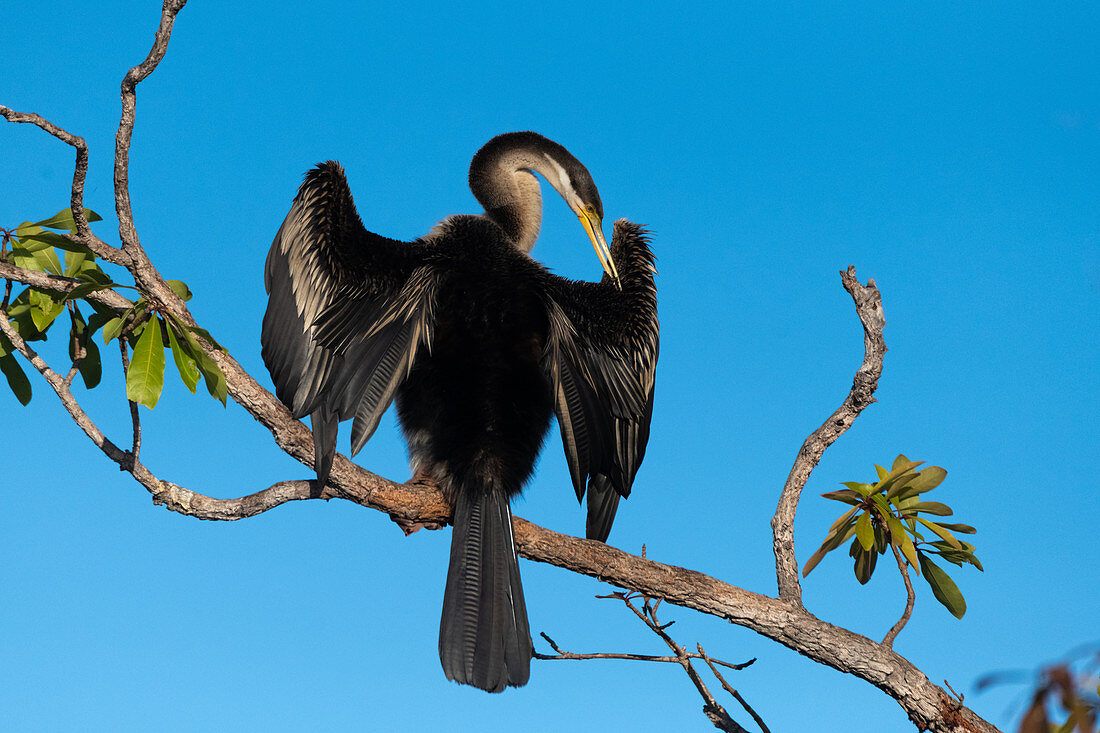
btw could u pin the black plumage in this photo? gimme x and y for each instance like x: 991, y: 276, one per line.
x: 480, y: 345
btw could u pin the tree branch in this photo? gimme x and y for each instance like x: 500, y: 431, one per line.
x: 135, y: 417
x: 61, y: 284
x: 76, y: 199
x: 868, y: 303
x: 711, y: 708
x: 563, y: 655
x: 726, y: 686
x: 911, y: 598
x: 127, y: 232
x: 69, y: 402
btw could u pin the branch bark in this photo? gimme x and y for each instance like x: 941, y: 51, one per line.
x: 783, y: 619
x: 868, y: 303
x: 910, y: 599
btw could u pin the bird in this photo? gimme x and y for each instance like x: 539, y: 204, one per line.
x: 480, y: 346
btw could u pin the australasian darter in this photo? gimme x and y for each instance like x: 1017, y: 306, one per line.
x: 479, y: 344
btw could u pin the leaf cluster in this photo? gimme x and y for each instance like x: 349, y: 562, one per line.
x: 33, y: 311
x: 893, y: 512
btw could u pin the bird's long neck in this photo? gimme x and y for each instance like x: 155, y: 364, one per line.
x: 503, y: 181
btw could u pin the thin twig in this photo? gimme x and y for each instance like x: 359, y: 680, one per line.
x: 736, y: 695
x: 562, y: 655
x: 717, y: 714
x: 135, y: 417
x: 868, y: 304
x: 78, y: 349
x: 888, y: 640
x: 957, y: 695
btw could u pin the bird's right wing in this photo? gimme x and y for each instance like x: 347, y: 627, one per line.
x: 346, y: 314
x: 601, y: 361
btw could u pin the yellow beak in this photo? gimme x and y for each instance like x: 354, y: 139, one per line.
x: 593, y: 226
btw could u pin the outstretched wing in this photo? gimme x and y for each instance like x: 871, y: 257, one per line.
x: 601, y: 359
x: 346, y: 313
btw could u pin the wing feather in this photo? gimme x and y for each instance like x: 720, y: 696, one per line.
x: 601, y: 360
x: 347, y: 312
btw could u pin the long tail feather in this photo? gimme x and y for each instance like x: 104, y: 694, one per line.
x: 324, y: 423
x: 603, y: 501
x: 484, y: 638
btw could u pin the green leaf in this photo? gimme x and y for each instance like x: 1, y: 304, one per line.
x: 45, y: 312
x: 145, y: 378
x: 842, y: 519
x: 42, y: 260
x: 97, y: 321
x: 179, y: 287
x: 185, y: 365
x: 19, y: 313
x: 957, y: 557
x: 865, y: 533
x: 35, y: 241
x: 858, y: 488
x: 845, y: 495
x: 206, y: 335
x: 882, y: 539
x: 882, y: 472
x: 112, y: 329
x: 903, y: 465
x: 95, y: 275
x: 943, y: 587
x: 13, y: 372
x: 901, y: 472
x: 73, y: 262
x: 64, y: 219
x: 211, y: 373
x: 926, y: 480
x: 864, y: 564
x: 901, y: 539
x: 832, y: 541
x: 943, y: 533
x: 963, y: 528
x: 215, y: 379
x: 934, y: 507
x: 90, y: 367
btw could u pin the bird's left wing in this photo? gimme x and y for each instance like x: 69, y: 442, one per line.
x: 347, y: 312
x: 601, y: 359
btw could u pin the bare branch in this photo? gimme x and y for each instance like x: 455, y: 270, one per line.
x: 80, y: 172
x: 127, y: 233
x: 911, y: 598
x: 726, y: 686
x: 67, y: 400
x: 61, y: 284
x: 135, y: 418
x: 79, y: 352
x: 868, y: 303
x: 711, y: 708
x: 563, y: 655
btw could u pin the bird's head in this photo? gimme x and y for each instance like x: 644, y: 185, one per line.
x: 532, y: 152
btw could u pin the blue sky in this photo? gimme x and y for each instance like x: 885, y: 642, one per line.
x: 949, y: 151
